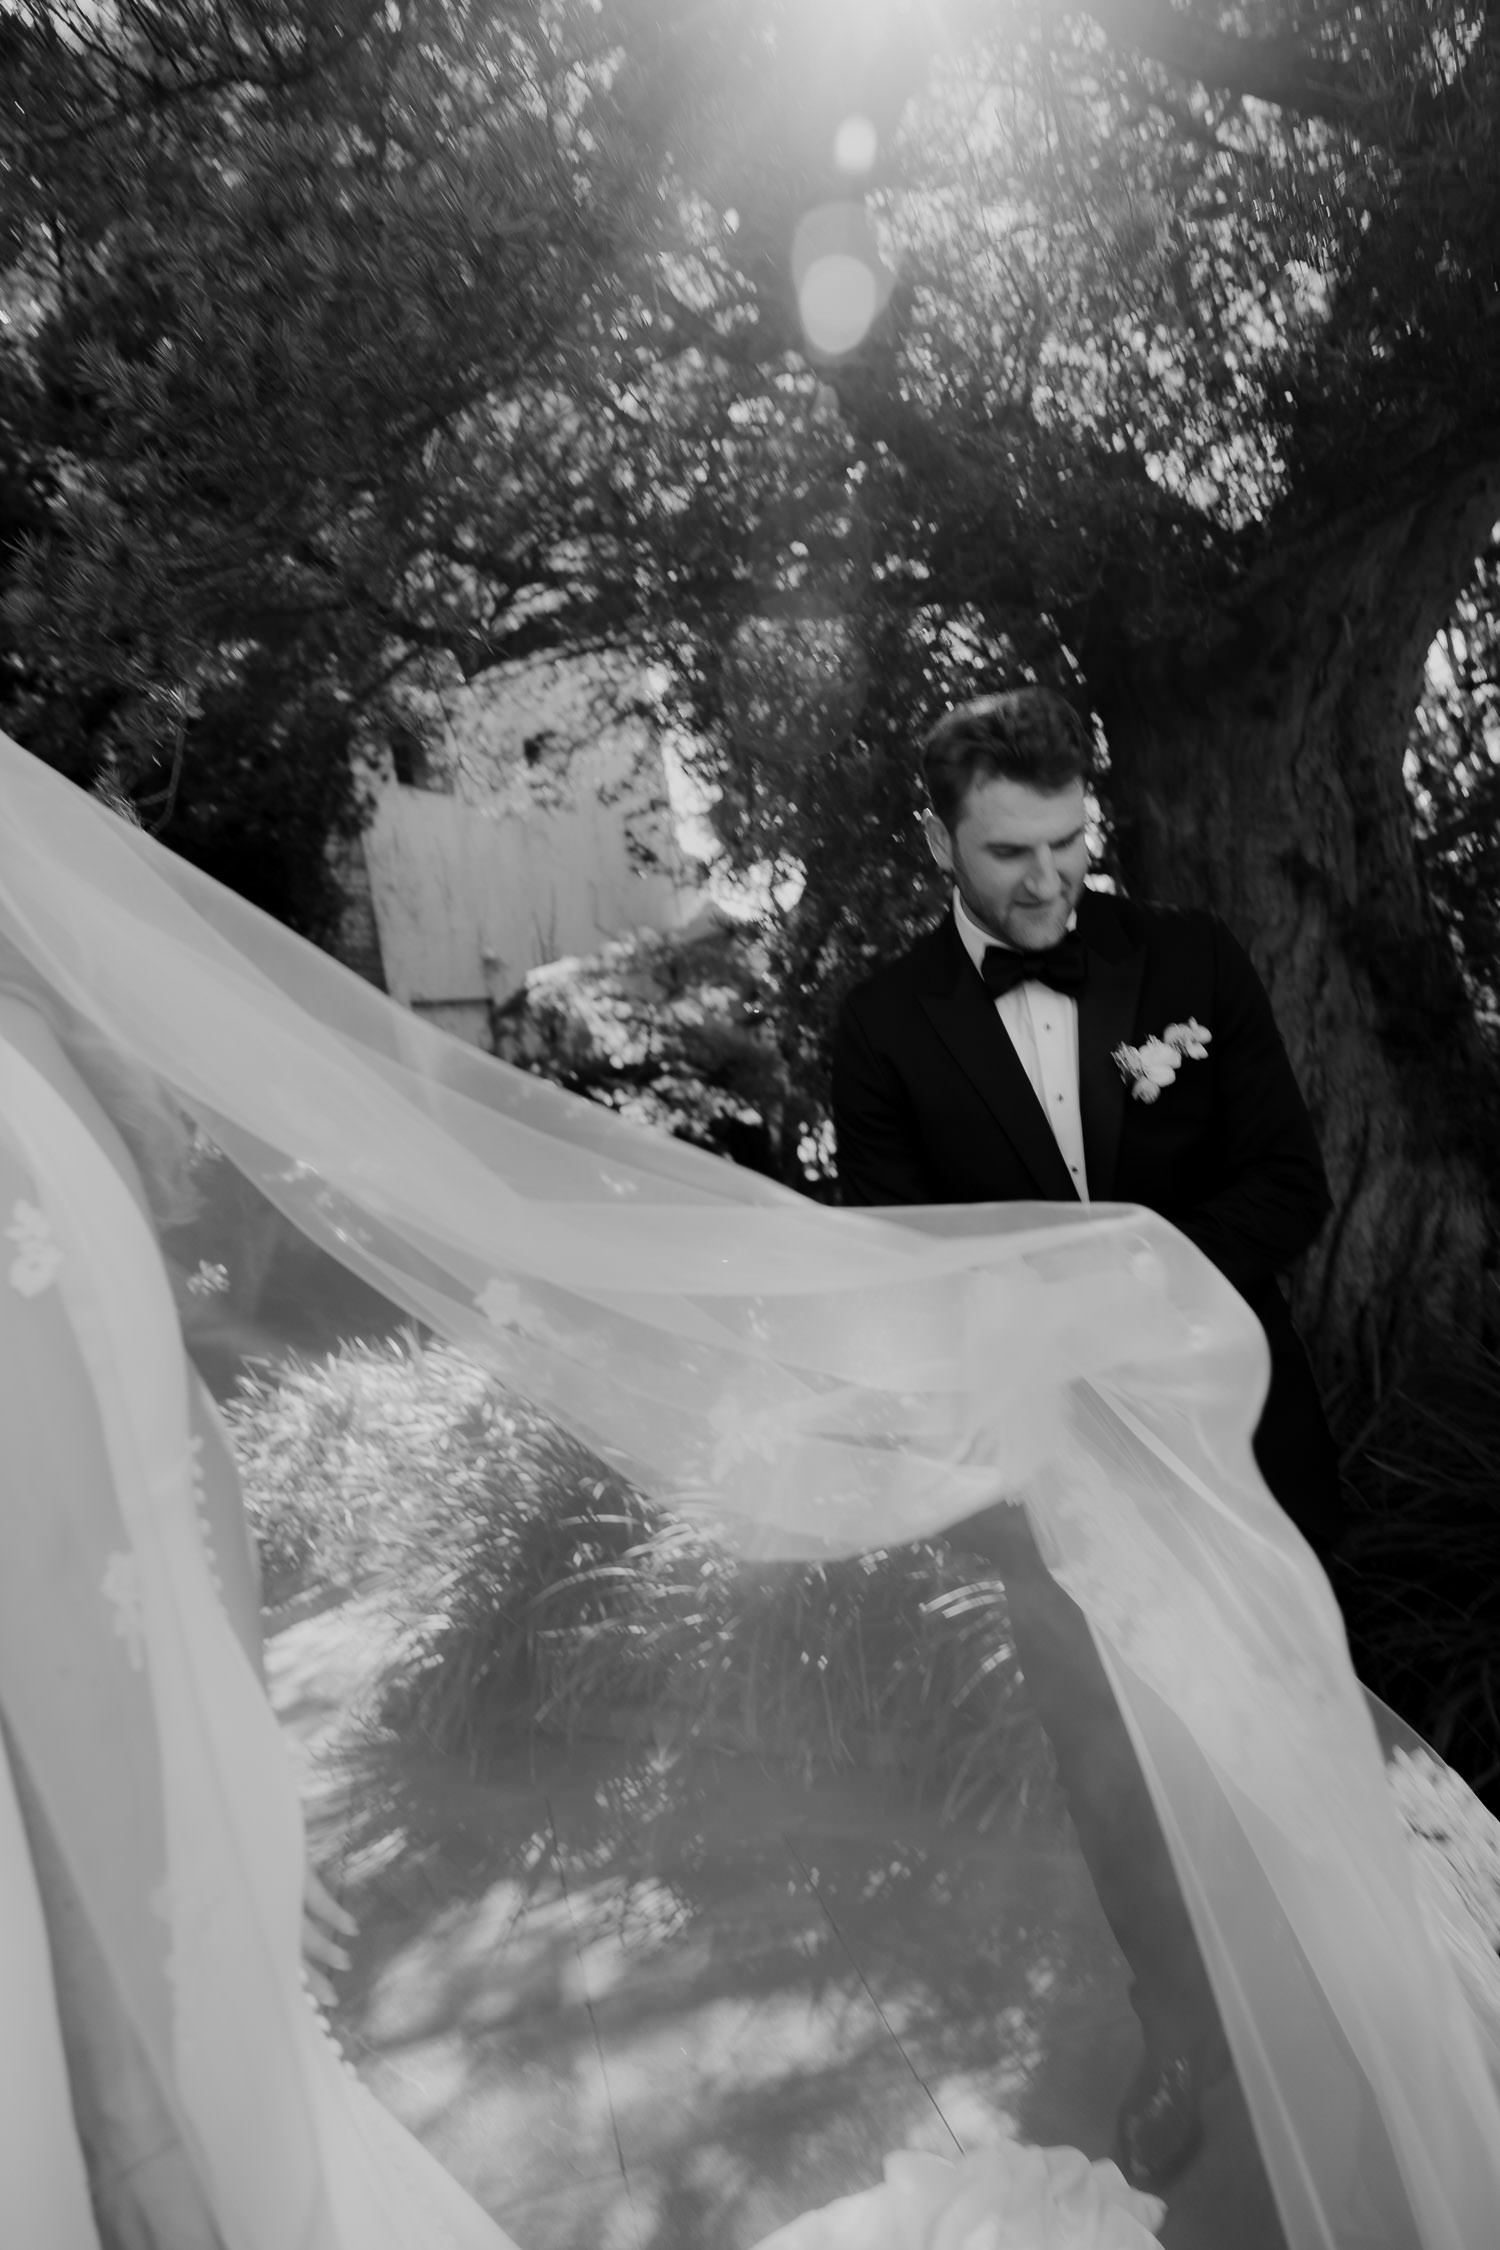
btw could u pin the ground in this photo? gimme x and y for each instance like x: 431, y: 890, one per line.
x: 655, y: 1999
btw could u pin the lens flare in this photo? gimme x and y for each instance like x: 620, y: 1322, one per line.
x: 842, y: 281
x: 854, y: 145
x: 838, y: 301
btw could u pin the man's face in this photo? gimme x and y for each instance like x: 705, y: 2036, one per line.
x: 1018, y: 857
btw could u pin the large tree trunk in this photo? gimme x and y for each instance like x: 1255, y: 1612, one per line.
x: 1266, y: 783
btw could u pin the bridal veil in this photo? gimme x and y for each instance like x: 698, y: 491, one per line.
x: 811, y: 1383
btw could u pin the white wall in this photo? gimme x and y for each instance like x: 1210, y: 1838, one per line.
x: 472, y: 890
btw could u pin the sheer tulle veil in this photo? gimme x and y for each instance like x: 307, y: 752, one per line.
x: 817, y: 1383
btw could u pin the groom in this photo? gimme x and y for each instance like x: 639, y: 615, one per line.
x: 980, y: 1067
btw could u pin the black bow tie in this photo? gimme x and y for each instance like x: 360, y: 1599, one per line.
x: 1062, y: 966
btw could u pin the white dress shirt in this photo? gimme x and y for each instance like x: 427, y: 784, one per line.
x: 1042, y: 1026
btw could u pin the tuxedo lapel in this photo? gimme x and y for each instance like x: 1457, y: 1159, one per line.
x: 1107, y: 1009
x: 962, y: 1014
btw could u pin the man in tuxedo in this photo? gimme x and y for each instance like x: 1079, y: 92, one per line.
x: 980, y: 1067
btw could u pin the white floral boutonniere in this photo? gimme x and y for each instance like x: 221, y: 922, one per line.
x: 1155, y: 1063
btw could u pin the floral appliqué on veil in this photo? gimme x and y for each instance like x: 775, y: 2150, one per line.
x: 37, y: 1257
x: 121, y: 1588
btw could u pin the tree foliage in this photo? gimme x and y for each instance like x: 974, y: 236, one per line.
x: 1182, y: 391
x: 1453, y: 767
x: 281, y: 281
x: 1174, y: 308
x: 668, y: 1029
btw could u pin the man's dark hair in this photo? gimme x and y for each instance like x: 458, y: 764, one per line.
x: 1026, y: 734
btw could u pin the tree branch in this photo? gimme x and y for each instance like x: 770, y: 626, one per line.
x: 1282, y: 72
x: 1479, y: 815
x: 752, y: 347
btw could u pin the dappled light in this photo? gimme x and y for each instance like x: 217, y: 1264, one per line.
x: 855, y: 145
x: 707, y: 1977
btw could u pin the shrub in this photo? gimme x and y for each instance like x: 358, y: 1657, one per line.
x: 530, y: 1586
x: 338, y: 1456
x: 669, y: 1029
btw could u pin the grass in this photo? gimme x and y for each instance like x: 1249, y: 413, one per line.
x: 531, y: 1588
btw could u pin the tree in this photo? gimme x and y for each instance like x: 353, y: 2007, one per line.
x: 1453, y: 767
x: 293, y: 295
x: 1182, y: 390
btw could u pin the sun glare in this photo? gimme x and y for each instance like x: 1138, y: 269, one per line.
x: 838, y: 301
x: 854, y: 145
x: 841, y: 279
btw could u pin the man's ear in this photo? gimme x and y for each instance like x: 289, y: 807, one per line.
x: 939, y: 842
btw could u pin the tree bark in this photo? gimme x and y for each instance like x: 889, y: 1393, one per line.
x: 1263, y: 779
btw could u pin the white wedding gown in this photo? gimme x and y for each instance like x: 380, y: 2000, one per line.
x: 817, y: 1382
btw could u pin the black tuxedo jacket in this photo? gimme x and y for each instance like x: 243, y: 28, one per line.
x: 931, y: 1104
